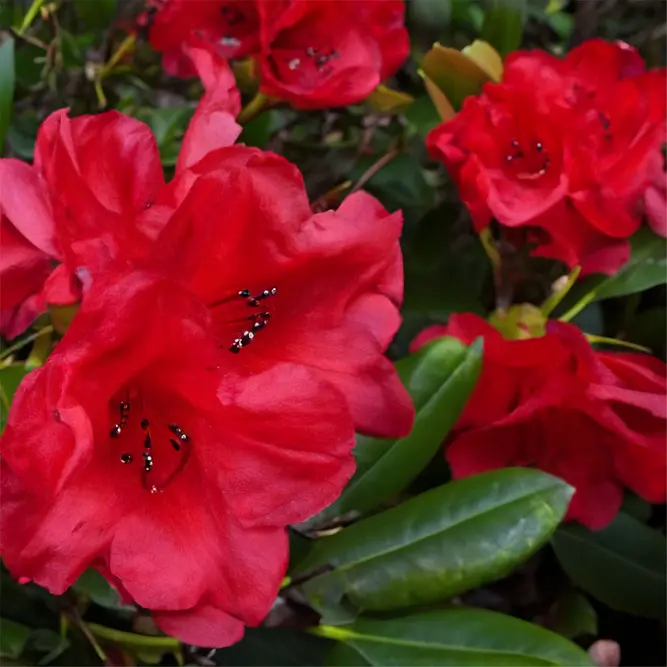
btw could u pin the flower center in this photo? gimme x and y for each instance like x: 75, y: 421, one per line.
x: 527, y: 162
x: 259, y: 319
x: 142, y: 441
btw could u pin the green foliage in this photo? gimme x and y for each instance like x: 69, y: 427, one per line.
x: 503, y: 24
x: 622, y: 565
x: 6, y: 87
x: 455, y: 637
x: 439, y: 378
x: 435, y: 545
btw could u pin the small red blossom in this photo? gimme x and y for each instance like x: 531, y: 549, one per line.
x: 311, y: 53
x: 573, y: 156
x: 595, y: 419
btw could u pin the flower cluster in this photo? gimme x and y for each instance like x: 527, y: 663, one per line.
x: 569, y: 151
x: 312, y: 54
x: 228, y: 344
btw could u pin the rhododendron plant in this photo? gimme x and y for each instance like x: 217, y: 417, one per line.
x: 322, y: 343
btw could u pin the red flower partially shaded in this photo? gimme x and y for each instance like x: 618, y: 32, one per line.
x: 172, y: 475
x: 595, y: 419
x: 83, y: 204
x: 573, y: 155
x: 311, y: 53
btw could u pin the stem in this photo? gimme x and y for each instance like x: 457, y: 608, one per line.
x: 253, y: 108
x: 132, y: 639
x: 22, y: 343
x: 30, y: 16
x: 592, y: 338
x: 125, y: 47
x: 579, y: 306
x: 81, y: 624
x: 375, y: 168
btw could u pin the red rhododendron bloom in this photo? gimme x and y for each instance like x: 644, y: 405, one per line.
x: 595, y: 419
x: 207, y: 392
x: 84, y: 200
x: 172, y: 475
x: 573, y: 156
x: 311, y: 53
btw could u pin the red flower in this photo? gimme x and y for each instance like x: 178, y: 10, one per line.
x: 172, y: 475
x: 595, y: 419
x: 84, y: 203
x: 573, y: 155
x: 308, y: 52
x: 206, y: 396
x: 229, y: 27
x: 320, y: 53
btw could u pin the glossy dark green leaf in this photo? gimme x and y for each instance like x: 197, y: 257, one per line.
x: 457, y: 637
x: 6, y: 86
x: 436, y: 545
x: 622, y: 565
x: 440, y: 378
x: 13, y: 638
x: 503, y: 24
x: 47, y: 644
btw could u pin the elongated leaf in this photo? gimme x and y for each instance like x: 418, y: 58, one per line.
x: 440, y: 378
x: 13, y: 637
x: 503, y: 24
x: 622, y: 565
x: 454, y: 636
x: 646, y: 268
x: 6, y: 87
x: 436, y: 545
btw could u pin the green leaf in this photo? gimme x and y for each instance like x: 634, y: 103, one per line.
x: 10, y: 378
x: 6, y: 87
x: 503, y: 24
x: 622, y: 565
x: 574, y: 616
x: 646, y: 268
x: 94, y: 586
x: 436, y: 545
x: 440, y: 378
x: 454, y: 73
x: 457, y: 637
x: 13, y: 638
